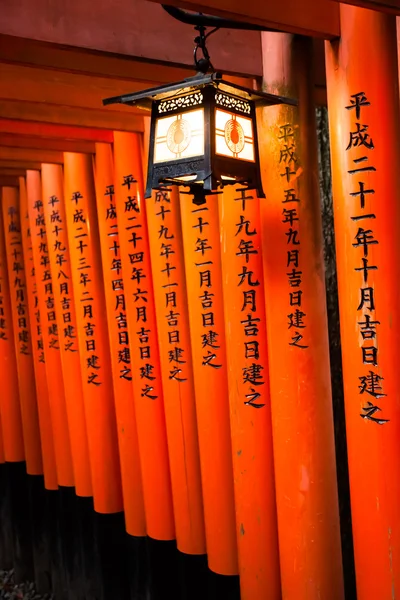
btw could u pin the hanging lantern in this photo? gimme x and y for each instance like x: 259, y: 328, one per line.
x: 203, y: 131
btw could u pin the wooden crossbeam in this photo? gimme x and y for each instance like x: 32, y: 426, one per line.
x: 66, y: 115
x: 14, y: 172
x: 38, y: 143
x: 50, y: 131
x: 20, y: 164
x: 32, y: 155
x: 89, y: 62
x: 134, y: 28
x: 8, y: 180
x: 32, y: 84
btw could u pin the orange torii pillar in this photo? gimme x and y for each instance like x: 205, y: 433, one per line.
x: 12, y: 442
x: 201, y: 238
x: 249, y: 397
x: 44, y: 498
x: 147, y: 385
x: 45, y: 282
x: 60, y: 265
x: 23, y: 560
x: 84, y: 248
x: 48, y: 321
x: 46, y: 510
x: 42, y: 392
x: 10, y: 409
x: 131, y: 476
x: 363, y: 102
x: 301, y: 400
x: 169, y: 284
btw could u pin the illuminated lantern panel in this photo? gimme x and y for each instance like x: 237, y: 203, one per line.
x: 234, y: 135
x: 179, y: 136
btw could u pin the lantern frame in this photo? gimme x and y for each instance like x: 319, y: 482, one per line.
x: 208, y: 172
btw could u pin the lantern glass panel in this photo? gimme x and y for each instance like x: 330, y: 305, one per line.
x: 234, y: 135
x: 179, y: 136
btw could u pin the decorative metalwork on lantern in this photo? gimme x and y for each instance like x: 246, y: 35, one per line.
x: 203, y: 131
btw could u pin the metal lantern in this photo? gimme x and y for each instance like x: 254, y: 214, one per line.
x: 203, y: 134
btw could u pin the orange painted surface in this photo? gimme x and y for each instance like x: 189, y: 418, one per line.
x: 249, y: 397
x: 39, y: 361
x: 60, y: 265
x: 84, y: 248
x: 21, y: 328
x: 47, y: 308
x: 168, y: 272
x: 2, y: 454
x: 131, y: 476
x: 10, y: 410
x: 302, y: 420
x: 206, y: 317
x: 363, y: 100
x: 140, y: 311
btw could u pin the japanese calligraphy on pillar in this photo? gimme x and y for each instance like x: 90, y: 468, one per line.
x: 84, y: 291
x: 36, y: 331
x: 138, y: 261
x: 288, y: 161
x: 43, y: 275
x: 5, y: 317
x: 17, y: 280
x: 58, y: 235
x: 361, y: 146
x: 204, y: 267
x: 116, y: 287
x: 169, y: 252
x: 169, y: 283
x: 247, y: 251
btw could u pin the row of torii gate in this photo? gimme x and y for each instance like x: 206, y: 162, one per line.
x: 153, y: 405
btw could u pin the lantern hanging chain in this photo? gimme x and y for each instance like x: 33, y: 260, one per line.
x: 203, y: 64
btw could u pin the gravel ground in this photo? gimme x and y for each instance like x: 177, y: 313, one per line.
x: 23, y: 591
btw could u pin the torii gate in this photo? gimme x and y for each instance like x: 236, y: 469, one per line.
x: 361, y: 63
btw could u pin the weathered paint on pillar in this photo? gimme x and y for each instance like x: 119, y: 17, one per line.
x: 135, y: 519
x: 39, y: 361
x: 206, y: 317
x: 84, y: 248
x: 21, y: 328
x: 249, y: 397
x: 363, y: 102
x: 142, y: 327
x: 10, y: 409
x: 302, y: 419
x: 168, y: 273
x: 60, y: 265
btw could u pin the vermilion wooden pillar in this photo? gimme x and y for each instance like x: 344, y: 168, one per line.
x: 249, y: 397
x: 201, y: 238
x: 135, y: 519
x: 50, y: 332
x: 12, y: 437
x: 42, y: 390
x: 166, y: 246
x: 140, y: 312
x: 305, y: 470
x: 60, y: 264
x: 363, y: 103
x: 92, y: 331
x: 21, y: 328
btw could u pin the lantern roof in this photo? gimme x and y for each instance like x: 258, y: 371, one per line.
x: 144, y: 99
